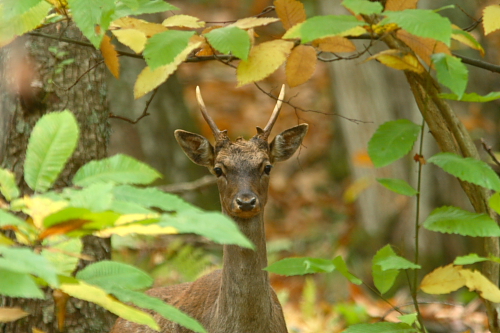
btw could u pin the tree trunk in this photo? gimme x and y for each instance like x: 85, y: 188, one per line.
x: 37, y: 77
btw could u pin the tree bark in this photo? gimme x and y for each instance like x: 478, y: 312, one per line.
x: 37, y: 77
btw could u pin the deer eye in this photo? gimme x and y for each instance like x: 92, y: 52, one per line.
x: 218, y: 171
x: 267, y: 169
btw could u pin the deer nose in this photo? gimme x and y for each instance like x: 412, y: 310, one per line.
x: 246, y: 202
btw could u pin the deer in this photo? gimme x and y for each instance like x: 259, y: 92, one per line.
x: 237, y: 298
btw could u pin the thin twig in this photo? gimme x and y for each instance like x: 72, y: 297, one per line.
x: 195, y: 185
x: 144, y: 112
x: 490, y: 152
x: 84, y: 73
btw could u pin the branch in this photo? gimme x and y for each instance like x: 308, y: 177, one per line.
x: 490, y: 152
x: 198, y: 184
x: 144, y: 112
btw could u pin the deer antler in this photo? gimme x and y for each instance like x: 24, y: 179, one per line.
x: 218, y: 134
x: 264, y: 133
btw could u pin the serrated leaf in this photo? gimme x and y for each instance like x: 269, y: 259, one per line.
x: 110, y: 56
x: 467, y: 169
x: 398, y: 59
x: 230, y: 40
x: 491, y: 22
x: 263, y: 60
x: 8, y: 219
x: 396, y: 262
x: 106, y: 274
x: 301, y: 266
x: 454, y: 220
x: 8, y: 186
x: 39, y: 207
x: 290, y: 12
x: 132, y: 38
x: 51, y: 144
x: 138, y: 7
x: 148, y: 28
x: 87, y: 292
x: 334, y: 44
x: 96, y: 197
x: 443, y: 280
x: 383, y: 278
x: 423, y: 47
x: 469, y: 259
x: 399, y: 186
x: 473, y: 97
x: 300, y: 65
x: 380, y: 327
x: 409, y: 319
x: 322, y: 26
x: 13, y: 284
x: 451, y: 72
x: 397, y: 5
x: 164, y: 47
x: 63, y: 254
x: 253, y: 22
x: 341, y: 266
x: 476, y: 281
x: 185, y: 21
x: 391, y: 141
x: 92, y: 17
x: 421, y: 22
x: 119, y: 169
x: 466, y: 38
x: 150, y: 79
x: 363, y: 7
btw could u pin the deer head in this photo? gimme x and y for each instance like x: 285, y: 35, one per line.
x: 242, y: 167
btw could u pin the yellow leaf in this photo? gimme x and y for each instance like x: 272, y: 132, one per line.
x: 443, y: 280
x: 470, y: 41
x: 39, y: 208
x: 142, y: 229
x: 423, y: 47
x: 11, y: 314
x: 335, y: 44
x: 399, y: 60
x: 110, y: 56
x: 149, y: 80
x: 184, y: 21
x: 252, y: 22
x: 396, y: 5
x: 96, y: 295
x: 147, y: 28
x: 491, y: 19
x: 129, y: 218
x: 290, y: 12
x: 353, y: 32
x: 300, y: 65
x: 135, y: 39
x: 263, y: 60
x: 36, y: 330
x: 476, y: 281
x: 355, y: 189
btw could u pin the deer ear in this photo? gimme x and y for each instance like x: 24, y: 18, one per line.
x: 286, y: 143
x: 196, y: 147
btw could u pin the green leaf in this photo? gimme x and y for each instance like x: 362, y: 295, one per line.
x: 341, y: 266
x: 63, y: 253
x: 64, y: 215
x: 363, y: 7
x: 13, y: 284
x: 451, y: 72
x: 213, y: 225
x: 107, y: 274
x: 381, y: 328
x: 391, y: 141
x: 454, y: 220
x: 472, y: 97
x: 467, y: 169
x: 398, y: 185
x: 138, y: 7
x: 93, y: 17
x: 301, y: 266
x: 469, y: 259
x: 119, y: 169
x: 24, y: 260
x: 51, y: 144
x: 8, y: 219
x: 322, y: 26
x: 230, y: 40
x: 396, y: 262
x: 8, y: 186
x: 409, y: 319
x: 96, y: 197
x: 19, y: 17
x: 494, y: 202
x: 162, y: 48
x: 421, y: 22
x: 383, y: 278
x: 166, y: 310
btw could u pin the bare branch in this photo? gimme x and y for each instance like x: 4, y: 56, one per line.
x: 489, y: 150
x: 198, y: 184
x: 144, y: 112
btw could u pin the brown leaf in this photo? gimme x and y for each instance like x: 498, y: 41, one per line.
x: 300, y: 65
x: 396, y: 5
x: 423, y: 47
x: 110, y: 56
x: 63, y: 228
x: 335, y: 44
x: 60, y: 300
x: 11, y: 314
x: 290, y: 12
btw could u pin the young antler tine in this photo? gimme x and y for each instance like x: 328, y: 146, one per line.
x: 274, y: 115
x: 206, y: 116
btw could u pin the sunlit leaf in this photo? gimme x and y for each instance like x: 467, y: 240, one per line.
x: 290, y: 12
x: 263, y: 60
x: 253, y: 22
x: 138, y: 7
x: 443, y: 280
x: 451, y: 72
x: 467, y: 169
x: 148, y: 28
x: 322, y: 26
x: 453, y: 220
x: 137, y: 229
x: 469, y: 259
x: 341, y: 266
x: 52, y: 142
x: 466, y: 38
x: 397, y: 5
x: 399, y: 186
x: 110, y: 56
x: 163, y: 48
x: 301, y: 266
x: 491, y: 22
x: 184, y: 21
x: 132, y: 38
x: 476, y: 281
x: 230, y: 40
x: 8, y: 186
x: 40, y: 207
x: 391, y: 141
x: 300, y: 65
x: 398, y: 59
x: 363, y: 7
